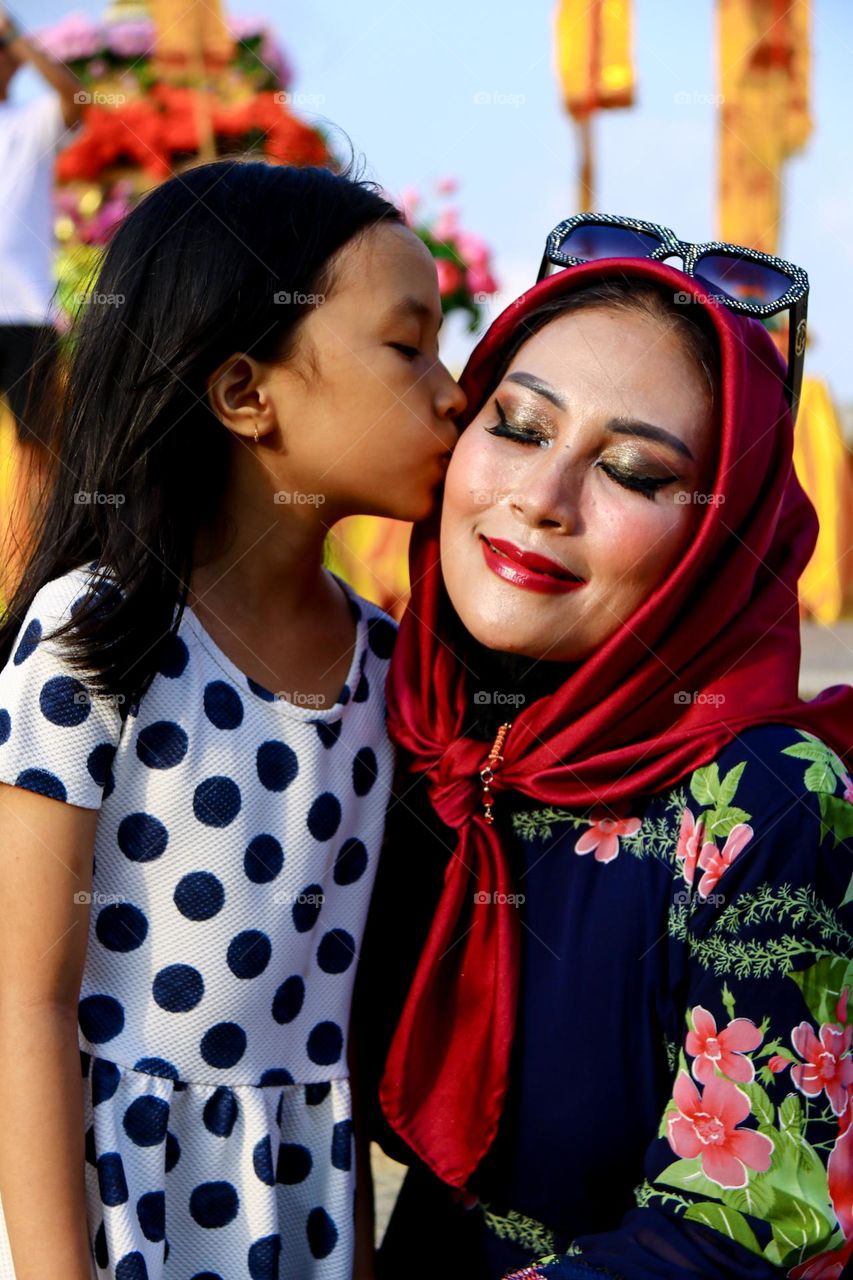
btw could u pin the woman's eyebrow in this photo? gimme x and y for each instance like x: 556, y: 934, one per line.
x: 629, y: 427
x: 541, y: 388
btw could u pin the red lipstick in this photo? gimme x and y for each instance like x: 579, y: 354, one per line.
x: 527, y: 569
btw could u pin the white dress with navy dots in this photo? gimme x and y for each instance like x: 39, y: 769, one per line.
x: 236, y: 846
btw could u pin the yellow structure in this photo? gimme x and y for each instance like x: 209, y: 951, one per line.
x: 825, y: 468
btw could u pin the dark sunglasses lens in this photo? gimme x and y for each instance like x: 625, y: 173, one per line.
x: 595, y: 240
x: 742, y: 279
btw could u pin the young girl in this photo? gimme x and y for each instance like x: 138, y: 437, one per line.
x: 194, y: 760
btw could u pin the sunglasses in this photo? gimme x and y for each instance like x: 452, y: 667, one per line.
x: 744, y: 280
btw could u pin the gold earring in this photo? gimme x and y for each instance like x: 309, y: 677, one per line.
x: 256, y: 433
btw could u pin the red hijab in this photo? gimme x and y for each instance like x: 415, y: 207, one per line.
x: 725, y: 621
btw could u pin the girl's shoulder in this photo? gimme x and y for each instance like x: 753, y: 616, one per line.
x: 57, y: 734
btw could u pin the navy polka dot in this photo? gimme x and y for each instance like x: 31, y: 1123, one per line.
x: 263, y: 859
x: 249, y: 953
x: 364, y: 771
x: 102, y: 1257
x: 307, y: 908
x: 99, y: 765
x: 344, y: 695
x: 42, y: 781
x: 151, y: 1212
x: 199, y: 895
x: 351, y: 862
x: 162, y: 745
x: 294, y: 1163
x: 28, y: 642
x: 264, y: 1255
x: 145, y: 1121
x: 112, y: 1183
x: 324, y: 816
x: 121, y: 927
x: 141, y: 837
x: 322, y: 1233
x: 275, y: 1076
x: 325, y: 1043
x: 217, y: 801
x: 5, y: 725
x: 260, y: 691
x: 214, y: 1204
x: 105, y: 1080
x: 160, y: 1067
x: 178, y: 988
x: 336, y: 952
x: 132, y: 1267
x: 220, y: 1112
x: 328, y: 733
x: 173, y: 1152
x: 342, y: 1145
x: 173, y: 657
x: 381, y: 636
x: 223, y: 705
x: 317, y: 1093
x: 288, y: 999
x: 362, y: 691
x: 101, y: 1018
x: 277, y: 765
x: 89, y: 1146
x: 262, y: 1161
x: 223, y: 1045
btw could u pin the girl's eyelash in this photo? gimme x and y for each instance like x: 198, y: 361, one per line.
x: 646, y: 485
x: 408, y: 352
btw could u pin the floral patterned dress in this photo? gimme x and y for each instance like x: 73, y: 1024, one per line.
x: 681, y: 1097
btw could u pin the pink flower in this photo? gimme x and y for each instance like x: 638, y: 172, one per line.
x: 132, y: 38
x: 848, y: 788
x: 828, y: 1065
x: 447, y: 186
x: 839, y: 1177
x: 481, y: 280
x: 449, y: 276
x: 689, y: 840
x: 603, y: 836
x: 714, y: 861
x: 724, y: 1050
x: 474, y: 250
x: 446, y: 225
x: 76, y: 36
x: 777, y: 1063
x: 706, y: 1127
x: 408, y: 202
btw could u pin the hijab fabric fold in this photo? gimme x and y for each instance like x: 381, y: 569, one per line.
x: 725, y: 622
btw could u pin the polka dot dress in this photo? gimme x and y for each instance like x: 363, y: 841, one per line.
x: 236, y: 846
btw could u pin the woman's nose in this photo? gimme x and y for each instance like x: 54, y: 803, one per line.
x: 545, y: 498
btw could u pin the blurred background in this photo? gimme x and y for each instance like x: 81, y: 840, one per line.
x: 724, y: 119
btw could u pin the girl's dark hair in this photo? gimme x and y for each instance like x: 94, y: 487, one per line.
x: 212, y: 262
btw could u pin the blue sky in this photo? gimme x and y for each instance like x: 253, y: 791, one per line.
x: 403, y: 81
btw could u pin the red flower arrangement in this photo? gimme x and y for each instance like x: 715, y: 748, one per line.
x: 150, y: 133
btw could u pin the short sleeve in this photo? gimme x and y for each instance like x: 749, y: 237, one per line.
x: 751, y: 1174
x: 58, y: 737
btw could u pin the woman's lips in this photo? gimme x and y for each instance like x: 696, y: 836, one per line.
x: 527, y: 569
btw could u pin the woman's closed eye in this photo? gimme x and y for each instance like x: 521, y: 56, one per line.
x: 635, y: 481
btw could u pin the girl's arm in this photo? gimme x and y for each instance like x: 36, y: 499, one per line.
x: 45, y: 886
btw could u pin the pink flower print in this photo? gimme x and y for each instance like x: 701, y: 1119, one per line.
x: 714, y: 861
x: 848, y: 788
x: 723, y: 1050
x: 777, y: 1063
x: 603, y: 836
x: 689, y: 840
x: 706, y: 1126
x: 828, y: 1065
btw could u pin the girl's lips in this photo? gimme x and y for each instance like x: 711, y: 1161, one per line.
x: 522, y: 568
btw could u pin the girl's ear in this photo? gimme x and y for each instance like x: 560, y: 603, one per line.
x: 236, y: 394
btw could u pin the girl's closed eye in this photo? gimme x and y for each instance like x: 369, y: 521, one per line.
x: 405, y: 350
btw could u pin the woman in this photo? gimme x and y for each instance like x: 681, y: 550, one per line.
x: 613, y: 920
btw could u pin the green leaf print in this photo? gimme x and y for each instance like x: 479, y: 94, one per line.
x: 726, y: 1220
x: 729, y: 784
x: 705, y: 784
x: 761, y: 1105
x: 810, y: 748
x: 836, y: 818
x: 720, y: 822
x: 822, y: 984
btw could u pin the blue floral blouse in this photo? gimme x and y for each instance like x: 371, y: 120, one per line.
x: 681, y: 1091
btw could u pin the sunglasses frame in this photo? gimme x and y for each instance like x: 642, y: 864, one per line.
x: 794, y: 299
